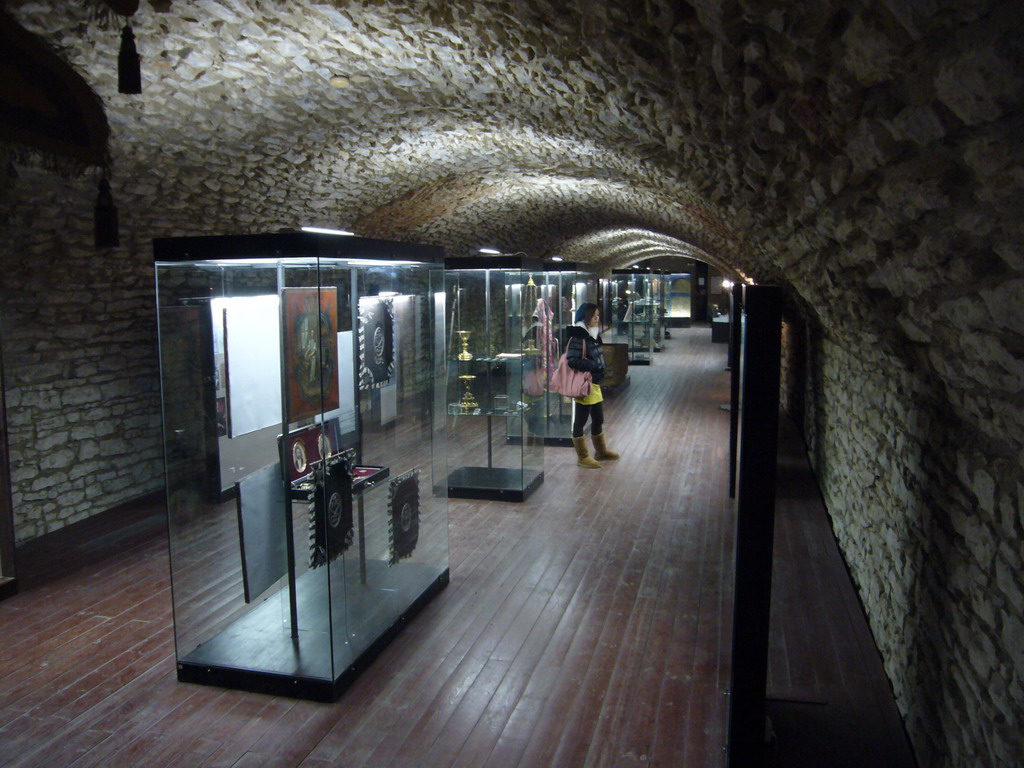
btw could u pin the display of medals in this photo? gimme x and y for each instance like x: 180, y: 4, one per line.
x: 465, y: 354
x: 468, y: 404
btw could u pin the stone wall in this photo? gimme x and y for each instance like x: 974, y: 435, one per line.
x: 928, y: 513
x: 79, y: 333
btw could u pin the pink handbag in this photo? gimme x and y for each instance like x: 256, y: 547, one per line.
x: 568, y: 381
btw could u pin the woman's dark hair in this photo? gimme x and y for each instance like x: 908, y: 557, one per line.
x: 585, y: 312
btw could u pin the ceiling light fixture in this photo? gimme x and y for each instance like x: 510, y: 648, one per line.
x: 490, y: 251
x: 322, y: 231
x: 339, y: 81
x: 381, y: 262
x: 557, y: 258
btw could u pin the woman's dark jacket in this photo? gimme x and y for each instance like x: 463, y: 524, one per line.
x: 594, y: 359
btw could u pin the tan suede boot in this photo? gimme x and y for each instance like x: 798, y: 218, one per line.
x: 600, y: 449
x: 580, y: 444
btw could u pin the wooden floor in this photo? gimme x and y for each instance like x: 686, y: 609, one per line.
x: 586, y: 627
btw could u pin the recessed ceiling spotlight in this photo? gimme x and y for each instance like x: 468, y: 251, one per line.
x: 339, y: 81
x: 490, y: 251
x: 556, y: 258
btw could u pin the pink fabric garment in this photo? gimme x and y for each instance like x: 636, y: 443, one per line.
x: 546, y: 338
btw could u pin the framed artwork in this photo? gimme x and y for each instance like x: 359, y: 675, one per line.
x: 310, y: 350
x: 404, y: 517
x: 376, y: 341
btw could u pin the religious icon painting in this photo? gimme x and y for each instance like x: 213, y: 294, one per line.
x: 331, y: 528
x: 404, y: 518
x: 376, y: 341
x: 310, y: 350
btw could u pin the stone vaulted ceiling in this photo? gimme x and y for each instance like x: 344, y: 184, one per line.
x: 805, y: 143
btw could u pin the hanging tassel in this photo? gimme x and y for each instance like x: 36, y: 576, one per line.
x: 106, y: 231
x: 129, y: 71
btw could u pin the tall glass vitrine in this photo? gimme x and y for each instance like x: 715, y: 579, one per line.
x: 566, y: 286
x: 634, y: 306
x: 678, y: 299
x: 657, y: 309
x: 500, y: 347
x: 307, y: 517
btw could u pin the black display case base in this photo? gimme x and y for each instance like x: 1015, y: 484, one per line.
x: 560, y: 425
x: 8, y: 588
x: 312, y: 645
x: 493, y: 483
x: 551, y: 440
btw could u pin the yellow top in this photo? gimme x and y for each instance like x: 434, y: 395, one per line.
x: 594, y: 396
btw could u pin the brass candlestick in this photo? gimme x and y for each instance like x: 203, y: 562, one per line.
x: 465, y: 354
x: 468, y: 402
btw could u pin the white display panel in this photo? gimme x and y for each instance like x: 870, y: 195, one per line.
x: 346, y: 413
x: 252, y: 344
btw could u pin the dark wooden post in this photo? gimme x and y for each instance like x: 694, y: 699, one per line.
x: 755, y: 520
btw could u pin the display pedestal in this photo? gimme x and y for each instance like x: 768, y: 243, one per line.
x: 557, y: 431
x: 232, y: 658
x: 493, y: 483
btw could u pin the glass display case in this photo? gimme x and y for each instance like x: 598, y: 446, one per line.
x: 678, y: 299
x: 635, y: 309
x: 657, y: 309
x: 501, y: 351
x: 304, y: 452
x: 566, y: 286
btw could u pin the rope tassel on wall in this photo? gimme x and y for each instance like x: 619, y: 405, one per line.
x: 109, y: 14
x: 129, y: 70
x: 106, y: 231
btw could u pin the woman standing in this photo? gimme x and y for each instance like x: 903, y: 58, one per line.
x: 584, y: 354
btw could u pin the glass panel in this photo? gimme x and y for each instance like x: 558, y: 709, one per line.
x: 678, y: 301
x: 401, y: 523
x: 233, y: 527
x: 494, y: 403
x: 532, y: 337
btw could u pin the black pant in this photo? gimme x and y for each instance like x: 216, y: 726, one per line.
x: 581, y: 413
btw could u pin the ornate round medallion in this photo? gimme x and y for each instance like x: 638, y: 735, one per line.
x: 299, y: 456
x: 323, y: 445
x: 406, y: 516
x: 334, y: 510
x: 378, y: 345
